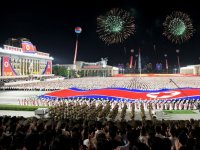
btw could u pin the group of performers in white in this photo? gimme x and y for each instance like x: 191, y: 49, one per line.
x: 155, y: 104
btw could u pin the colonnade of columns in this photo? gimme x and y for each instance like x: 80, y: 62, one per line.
x: 91, y: 72
x: 29, y: 66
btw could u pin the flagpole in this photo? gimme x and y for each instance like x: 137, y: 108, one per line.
x: 78, y: 30
x: 75, y: 53
x: 139, y: 62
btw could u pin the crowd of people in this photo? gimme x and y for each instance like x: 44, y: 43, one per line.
x: 92, y: 123
x: 48, y: 134
x: 142, y: 83
x: 10, y: 81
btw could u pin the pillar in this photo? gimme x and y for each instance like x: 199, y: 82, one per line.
x: 38, y: 71
x: 36, y: 66
x: 33, y: 70
x: 26, y: 66
x: 22, y: 66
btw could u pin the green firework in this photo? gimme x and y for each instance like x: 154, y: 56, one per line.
x: 116, y: 26
x: 178, y: 27
x: 113, y: 24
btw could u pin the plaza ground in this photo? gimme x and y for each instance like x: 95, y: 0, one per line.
x: 12, y: 97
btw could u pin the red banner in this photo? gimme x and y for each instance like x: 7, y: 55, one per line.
x: 47, y: 69
x: 7, y: 69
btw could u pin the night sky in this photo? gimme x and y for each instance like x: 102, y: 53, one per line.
x: 50, y: 26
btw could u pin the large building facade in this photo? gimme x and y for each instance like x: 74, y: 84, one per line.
x: 96, y: 69
x: 88, y: 69
x: 19, y: 57
x: 192, y: 69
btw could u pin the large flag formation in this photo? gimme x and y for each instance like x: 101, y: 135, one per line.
x: 127, y: 94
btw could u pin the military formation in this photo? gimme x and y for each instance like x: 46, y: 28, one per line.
x: 95, y: 110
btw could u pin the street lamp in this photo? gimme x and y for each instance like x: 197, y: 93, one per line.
x: 177, y: 51
x: 166, y: 63
x: 131, y: 59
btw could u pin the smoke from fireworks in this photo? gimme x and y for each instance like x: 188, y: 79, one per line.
x: 178, y: 27
x: 116, y: 26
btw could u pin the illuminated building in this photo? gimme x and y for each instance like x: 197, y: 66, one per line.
x: 19, y: 57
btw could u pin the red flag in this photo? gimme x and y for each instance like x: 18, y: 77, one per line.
x: 28, y: 46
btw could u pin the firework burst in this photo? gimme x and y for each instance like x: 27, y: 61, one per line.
x: 178, y: 27
x: 116, y: 26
